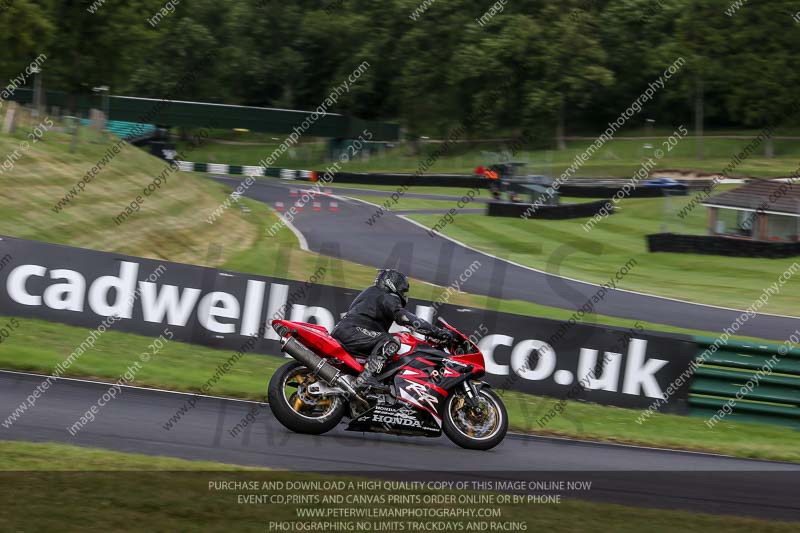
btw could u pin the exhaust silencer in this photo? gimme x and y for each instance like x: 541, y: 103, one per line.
x: 318, y: 366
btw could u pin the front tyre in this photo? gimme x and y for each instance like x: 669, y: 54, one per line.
x: 479, y: 428
x: 298, y: 410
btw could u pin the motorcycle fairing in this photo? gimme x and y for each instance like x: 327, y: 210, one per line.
x: 424, y: 383
x: 397, y: 419
x: 319, y: 341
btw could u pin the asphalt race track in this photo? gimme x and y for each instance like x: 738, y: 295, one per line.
x: 393, y: 241
x: 134, y: 422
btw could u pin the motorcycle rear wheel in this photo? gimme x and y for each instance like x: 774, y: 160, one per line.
x: 298, y: 410
x: 473, y: 429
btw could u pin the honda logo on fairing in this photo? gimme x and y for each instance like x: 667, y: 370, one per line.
x: 396, y: 420
x: 403, y: 416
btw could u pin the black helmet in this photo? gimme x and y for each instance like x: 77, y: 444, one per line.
x: 393, y: 281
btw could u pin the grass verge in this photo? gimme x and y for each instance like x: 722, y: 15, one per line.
x: 565, y: 247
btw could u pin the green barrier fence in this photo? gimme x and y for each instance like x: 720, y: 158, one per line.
x: 203, y: 114
x: 746, y: 381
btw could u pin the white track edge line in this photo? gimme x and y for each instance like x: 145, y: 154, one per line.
x: 297, y: 233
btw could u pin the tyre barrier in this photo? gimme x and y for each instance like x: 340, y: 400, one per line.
x: 607, y: 191
x: 408, y: 180
x: 546, y: 212
x: 720, y: 245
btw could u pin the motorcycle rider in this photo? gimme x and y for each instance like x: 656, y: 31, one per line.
x: 365, y: 327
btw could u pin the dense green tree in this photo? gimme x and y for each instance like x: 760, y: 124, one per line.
x: 25, y: 32
x: 760, y: 60
x: 536, y: 66
x: 574, y: 66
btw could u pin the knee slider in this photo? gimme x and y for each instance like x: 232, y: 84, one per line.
x: 391, y: 347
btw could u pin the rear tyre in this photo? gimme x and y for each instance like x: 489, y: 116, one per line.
x: 298, y: 410
x: 475, y: 429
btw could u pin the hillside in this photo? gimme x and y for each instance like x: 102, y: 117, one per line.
x: 47, y: 171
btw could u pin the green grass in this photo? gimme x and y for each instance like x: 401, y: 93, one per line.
x: 50, y: 457
x: 44, y: 174
x: 66, y: 488
x: 564, y: 247
x: 38, y: 346
x: 619, y: 157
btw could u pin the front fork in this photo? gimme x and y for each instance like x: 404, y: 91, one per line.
x: 473, y: 392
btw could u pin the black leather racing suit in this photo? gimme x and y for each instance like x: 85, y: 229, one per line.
x: 365, y: 327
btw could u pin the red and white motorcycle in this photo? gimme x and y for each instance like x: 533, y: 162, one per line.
x: 429, y: 386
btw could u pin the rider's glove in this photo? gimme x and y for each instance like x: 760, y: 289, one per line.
x: 443, y: 335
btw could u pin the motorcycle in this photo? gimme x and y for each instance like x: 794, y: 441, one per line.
x: 429, y: 386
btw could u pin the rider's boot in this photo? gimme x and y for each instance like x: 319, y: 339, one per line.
x: 374, y: 365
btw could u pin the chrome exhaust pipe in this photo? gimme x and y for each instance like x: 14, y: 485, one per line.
x: 320, y: 367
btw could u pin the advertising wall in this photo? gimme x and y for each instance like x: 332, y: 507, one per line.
x: 225, y: 309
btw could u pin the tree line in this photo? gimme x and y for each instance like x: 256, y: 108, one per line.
x: 564, y: 67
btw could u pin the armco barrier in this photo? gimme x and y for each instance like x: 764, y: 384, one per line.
x: 773, y: 375
x: 222, y: 168
x: 410, y: 180
x: 224, y: 309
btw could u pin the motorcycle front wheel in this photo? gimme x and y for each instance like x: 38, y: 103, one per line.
x: 298, y: 410
x: 476, y: 428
